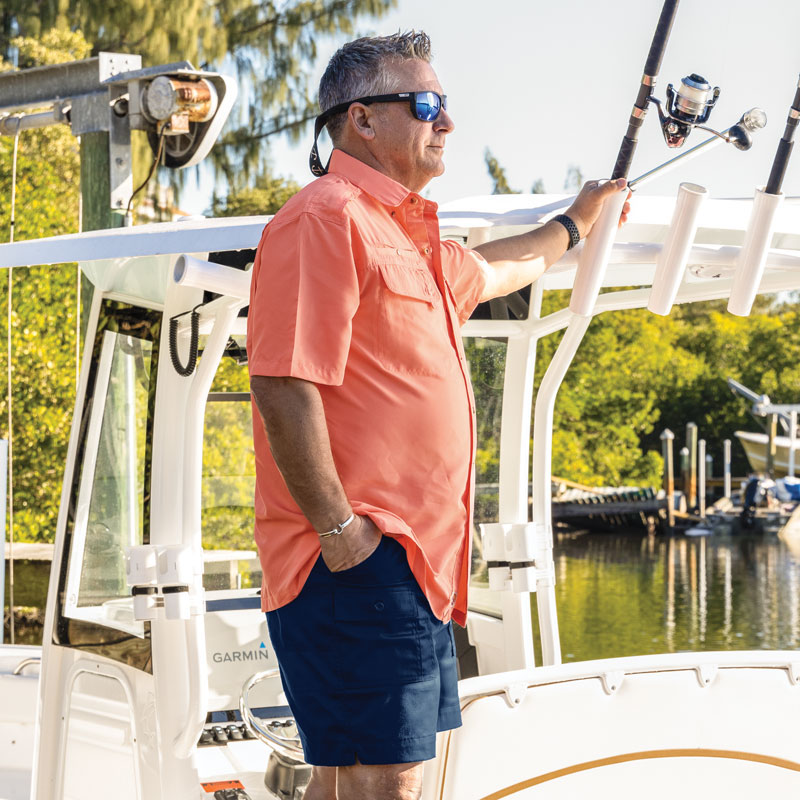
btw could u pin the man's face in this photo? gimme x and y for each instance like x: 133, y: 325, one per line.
x: 410, y: 150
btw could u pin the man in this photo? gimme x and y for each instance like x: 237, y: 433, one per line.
x: 365, y: 456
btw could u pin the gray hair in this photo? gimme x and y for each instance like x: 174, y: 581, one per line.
x: 358, y: 69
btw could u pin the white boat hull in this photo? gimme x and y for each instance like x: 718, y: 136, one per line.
x: 691, y: 725
x: 697, y: 724
x: 755, y: 448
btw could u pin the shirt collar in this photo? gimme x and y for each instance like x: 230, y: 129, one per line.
x: 383, y: 188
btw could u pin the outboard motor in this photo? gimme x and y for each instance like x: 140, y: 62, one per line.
x: 756, y: 493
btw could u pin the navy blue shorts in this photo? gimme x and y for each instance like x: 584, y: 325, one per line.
x: 369, y: 672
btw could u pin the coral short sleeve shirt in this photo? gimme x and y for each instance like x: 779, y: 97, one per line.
x: 353, y: 290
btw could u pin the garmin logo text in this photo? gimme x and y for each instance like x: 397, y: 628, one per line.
x: 241, y: 655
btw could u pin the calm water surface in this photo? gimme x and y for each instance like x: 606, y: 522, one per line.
x: 625, y: 594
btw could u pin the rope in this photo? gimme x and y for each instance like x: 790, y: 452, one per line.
x: 12, y: 626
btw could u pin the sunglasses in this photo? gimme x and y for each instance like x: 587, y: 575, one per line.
x: 424, y: 106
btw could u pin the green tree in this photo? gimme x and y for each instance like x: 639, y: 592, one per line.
x: 265, y: 197
x: 497, y: 174
x: 538, y: 187
x: 574, y: 178
x: 44, y: 306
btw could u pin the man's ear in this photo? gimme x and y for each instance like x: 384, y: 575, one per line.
x: 361, y: 118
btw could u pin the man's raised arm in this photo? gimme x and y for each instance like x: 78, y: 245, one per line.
x: 518, y: 261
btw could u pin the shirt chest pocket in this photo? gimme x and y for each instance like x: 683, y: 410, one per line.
x: 411, y: 336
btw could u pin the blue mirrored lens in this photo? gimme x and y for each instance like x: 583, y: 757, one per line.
x: 428, y: 106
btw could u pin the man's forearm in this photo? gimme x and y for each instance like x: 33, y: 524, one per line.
x: 293, y: 416
x: 518, y: 261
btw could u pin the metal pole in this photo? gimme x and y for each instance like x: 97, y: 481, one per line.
x: 792, y: 439
x: 3, y: 487
x: 691, y: 443
x: 667, y: 438
x: 772, y: 432
x: 726, y: 461
x: 701, y: 477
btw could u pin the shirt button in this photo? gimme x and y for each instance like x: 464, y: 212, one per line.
x: 427, y: 251
x: 413, y: 200
x: 379, y: 606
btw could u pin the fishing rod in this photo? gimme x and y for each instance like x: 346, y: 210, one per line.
x: 785, y: 145
x: 651, y: 69
x: 753, y: 255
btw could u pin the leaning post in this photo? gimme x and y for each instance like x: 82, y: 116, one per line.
x: 667, y: 438
x: 691, y: 443
x: 726, y: 460
x: 772, y: 432
x: 701, y: 478
x: 792, y: 440
x: 685, y: 474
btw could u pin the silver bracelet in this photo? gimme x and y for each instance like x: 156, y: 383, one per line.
x: 339, y: 529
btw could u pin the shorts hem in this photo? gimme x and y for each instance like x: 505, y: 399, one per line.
x: 396, y: 751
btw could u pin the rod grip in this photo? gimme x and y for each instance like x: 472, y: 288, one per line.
x: 779, y: 166
x: 659, y: 43
x: 624, y: 158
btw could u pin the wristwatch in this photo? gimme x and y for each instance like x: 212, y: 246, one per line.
x: 572, y: 229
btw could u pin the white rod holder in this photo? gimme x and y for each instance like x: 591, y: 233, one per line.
x: 594, y: 257
x: 671, y: 263
x: 199, y: 274
x: 750, y: 265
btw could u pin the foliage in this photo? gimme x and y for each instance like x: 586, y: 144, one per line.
x: 538, y: 187
x: 270, y: 45
x: 265, y: 197
x: 574, y: 179
x: 497, y: 174
x: 43, y: 338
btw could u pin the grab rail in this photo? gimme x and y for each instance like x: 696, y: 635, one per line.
x: 26, y: 662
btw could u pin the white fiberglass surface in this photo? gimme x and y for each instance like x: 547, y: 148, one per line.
x: 100, y: 746
x: 110, y: 503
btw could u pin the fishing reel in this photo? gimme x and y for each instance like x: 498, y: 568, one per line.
x: 688, y: 107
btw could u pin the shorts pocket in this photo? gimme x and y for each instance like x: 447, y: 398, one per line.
x: 386, y: 565
x: 364, y: 567
x: 380, y: 639
x: 374, y: 604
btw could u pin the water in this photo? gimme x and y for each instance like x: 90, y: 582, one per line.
x: 623, y: 594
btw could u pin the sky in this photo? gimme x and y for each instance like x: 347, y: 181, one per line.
x: 547, y: 85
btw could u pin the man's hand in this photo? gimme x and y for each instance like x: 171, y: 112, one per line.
x: 589, y: 203
x: 357, y: 543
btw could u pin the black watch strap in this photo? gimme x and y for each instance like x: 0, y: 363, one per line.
x: 572, y: 229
